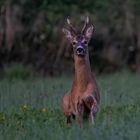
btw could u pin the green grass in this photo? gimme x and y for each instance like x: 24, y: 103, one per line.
x: 30, y: 109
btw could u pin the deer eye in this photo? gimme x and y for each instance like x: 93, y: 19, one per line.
x: 74, y: 43
x: 85, y: 42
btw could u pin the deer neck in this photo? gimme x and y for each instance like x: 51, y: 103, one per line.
x: 82, y: 71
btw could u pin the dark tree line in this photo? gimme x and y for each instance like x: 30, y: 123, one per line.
x: 30, y: 34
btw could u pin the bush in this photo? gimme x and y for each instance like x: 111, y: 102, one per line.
x: 17, y: 71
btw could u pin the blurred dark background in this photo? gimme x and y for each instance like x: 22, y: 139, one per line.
x: 32, y: 42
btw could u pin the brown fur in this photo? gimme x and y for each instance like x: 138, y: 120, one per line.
x: 84, y: 95
x: 83, y: 98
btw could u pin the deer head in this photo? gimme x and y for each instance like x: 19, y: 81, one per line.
x: 78, y: 40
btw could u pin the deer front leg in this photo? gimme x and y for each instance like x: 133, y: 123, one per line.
x: 79, y: 113
x: 91, y: 116
x: 93, y: 111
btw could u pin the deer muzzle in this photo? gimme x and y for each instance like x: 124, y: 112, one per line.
x: 80, y: 51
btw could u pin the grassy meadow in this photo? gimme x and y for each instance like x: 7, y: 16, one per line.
x: 30, y: 109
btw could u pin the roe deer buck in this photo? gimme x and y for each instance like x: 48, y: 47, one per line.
x: 83, y: 98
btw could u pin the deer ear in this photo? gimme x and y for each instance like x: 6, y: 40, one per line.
x: 67, y: 34
x: 89, y: 32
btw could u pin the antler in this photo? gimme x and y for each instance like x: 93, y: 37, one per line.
x: 70, y: 26
x: 85, y: 25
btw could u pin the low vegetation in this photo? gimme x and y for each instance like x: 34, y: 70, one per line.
x: 30, y: 109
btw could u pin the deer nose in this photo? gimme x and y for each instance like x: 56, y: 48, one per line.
x: 80, y: 50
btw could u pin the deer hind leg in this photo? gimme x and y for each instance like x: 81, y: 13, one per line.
x: 66, y: 107
x: 68, y: 120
